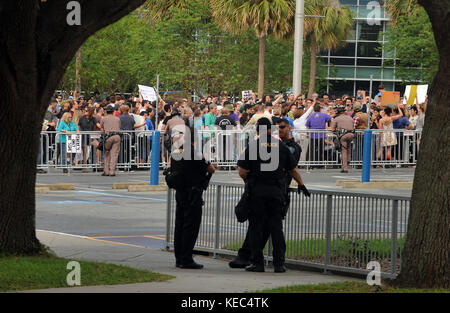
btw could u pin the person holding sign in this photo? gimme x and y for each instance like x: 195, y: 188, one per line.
x: 65, y: 126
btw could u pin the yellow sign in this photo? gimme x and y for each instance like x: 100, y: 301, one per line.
x: 412, y: 95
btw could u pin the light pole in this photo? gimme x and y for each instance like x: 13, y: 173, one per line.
x: 298, y: 46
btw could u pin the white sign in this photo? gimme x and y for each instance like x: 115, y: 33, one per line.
x: 420, y: 95
x: 247, y: 95
x: 147, y: 93
x: 73, y: 144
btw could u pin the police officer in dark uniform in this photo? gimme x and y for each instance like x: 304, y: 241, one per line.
x: 189, y: 175
x: 266, y: 162
x: 284, y: 131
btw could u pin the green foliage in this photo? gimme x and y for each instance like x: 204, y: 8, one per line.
x: 411, y: 38
x: 189, y: 50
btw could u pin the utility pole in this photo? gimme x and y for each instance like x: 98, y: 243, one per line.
x: 298, y: 46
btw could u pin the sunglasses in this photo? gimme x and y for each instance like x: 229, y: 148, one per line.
x: 282, y: 126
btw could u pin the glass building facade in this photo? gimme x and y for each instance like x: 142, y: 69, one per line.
x: 349, y: 68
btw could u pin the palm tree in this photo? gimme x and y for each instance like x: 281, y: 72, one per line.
x: 395, y: 8
x: 264, y: 16
x: 327, y: 32
x: 155, y: 9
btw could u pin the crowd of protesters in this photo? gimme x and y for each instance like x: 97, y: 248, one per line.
x: 84, y: 114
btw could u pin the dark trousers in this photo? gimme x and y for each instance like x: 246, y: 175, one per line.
x: 316, y: 146
x: 245, y: 252
x: 188, y: 217
x: 266, y: 213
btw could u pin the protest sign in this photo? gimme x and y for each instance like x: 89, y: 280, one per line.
x: 247, y: 95
x: 147, y: 93
x: 390, y: 98
x: 415, y: 94
x: 73, y: 144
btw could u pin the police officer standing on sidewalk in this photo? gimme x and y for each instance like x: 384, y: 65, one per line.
x: 265, y: 162
x: 189, y: 175
x: 344, y: 125
x: 284, y: 132
x: 110, y: 126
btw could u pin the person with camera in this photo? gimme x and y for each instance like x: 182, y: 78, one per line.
x: 345, y: 126
x: 189, y: 175
x: 265, y: 163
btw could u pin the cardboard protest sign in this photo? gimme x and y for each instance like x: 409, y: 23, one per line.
x: 415, y: 94
x: 73, y: 144
x: 390, y: 98
x: 147, y: 93
x: 247, y: 95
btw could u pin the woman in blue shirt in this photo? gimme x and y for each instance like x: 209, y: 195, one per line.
x: 65, y: 126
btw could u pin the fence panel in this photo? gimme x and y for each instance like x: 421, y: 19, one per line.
x: 332, y: 230
x: 223, y: 147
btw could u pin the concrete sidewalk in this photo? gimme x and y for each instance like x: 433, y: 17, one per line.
x: 216, y: 276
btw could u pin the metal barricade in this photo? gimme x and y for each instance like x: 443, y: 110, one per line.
x: 223, y: 147
x: 332, y: 230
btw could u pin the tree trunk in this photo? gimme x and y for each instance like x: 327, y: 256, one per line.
x: 262, y: 57
x: 35, y: 50
x: 313, y: 67
x: 426, y: 261
x: 78, y: 71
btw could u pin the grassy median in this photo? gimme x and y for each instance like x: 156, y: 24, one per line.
x: 49, y: 271
x: 349, y: 287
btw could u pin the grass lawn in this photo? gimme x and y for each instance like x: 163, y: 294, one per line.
x: 297, y: 249
x: 349, y: 287
x: 48, y: 271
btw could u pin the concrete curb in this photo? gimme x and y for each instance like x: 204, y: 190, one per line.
x: 126, y: 185
x: 41, y: 190
x: 376, y: 184
x: 54, y: 187
x: 143, y: 188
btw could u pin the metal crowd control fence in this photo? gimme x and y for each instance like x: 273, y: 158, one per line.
x: 223, y: 147
x: 332, y: 230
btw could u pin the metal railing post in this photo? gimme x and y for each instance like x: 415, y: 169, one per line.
x: 328, y: 232
x: 269, y: 250
x: 394, y: 237
x: 217, y: 224
x: 168, y: 217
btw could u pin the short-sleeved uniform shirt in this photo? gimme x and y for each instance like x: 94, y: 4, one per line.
x: 267, y: 161
x: 110, y: 123
x: 343, y: 121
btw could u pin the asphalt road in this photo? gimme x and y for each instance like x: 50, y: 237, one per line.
x: 95, y: 210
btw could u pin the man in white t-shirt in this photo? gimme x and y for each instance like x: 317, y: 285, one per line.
x: 300, y: 124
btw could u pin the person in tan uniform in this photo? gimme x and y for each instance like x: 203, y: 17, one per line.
x: 110, y: 125
x: 344, y: 124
